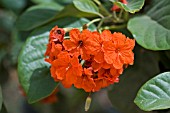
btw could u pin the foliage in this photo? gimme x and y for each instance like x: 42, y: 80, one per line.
x: 154, y: 94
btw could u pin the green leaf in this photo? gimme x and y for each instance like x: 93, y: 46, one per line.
x: 63, y: 23
x: 64, y: 2
x: 1, y: 99
x: 31, y: 58
x: 42, y: 1
x: 132, y: 6
x: 149, y: 34
x: 152, y: 31
x: 155, y: 94
x: 74, y: 12
x: 36, y: 16
x: 41, y: 85
x: 132, y: 79
x: 86, y: 6
x: 51, y: 5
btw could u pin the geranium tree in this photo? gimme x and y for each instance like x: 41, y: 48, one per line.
x: 116, y: 45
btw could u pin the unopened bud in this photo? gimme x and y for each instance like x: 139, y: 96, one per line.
x: 85, y: 26
x: 87, y: 104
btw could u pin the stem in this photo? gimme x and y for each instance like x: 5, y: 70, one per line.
x: 101, y: 15
x: 66, y: 37
x: 115, y: 15
x: 67, y: 29
x: 93, y: 21
x: 102, y: 7
x: 120, y: 14
x: 82, y: 62
x: 97, y: 2
x: 100, y: 24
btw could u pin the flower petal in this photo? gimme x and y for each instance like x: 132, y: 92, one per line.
x: 74, y: 35
x: 99, y: 57
x: 69, y: 45
x: 106, y: 35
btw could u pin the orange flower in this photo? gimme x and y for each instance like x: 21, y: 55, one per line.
x: 79, y: 42
x: 85, y: 81
x: 106, y: 77
x: 103, y: 57
x: 116, y: 8
x: 52, y: 51
x: 97, y: 66
x: 119, y: 51
x: 66, y: 69
x: 100, y: 83
x: 97, y: 43
x: 57, y: 34
x: 112, y: 75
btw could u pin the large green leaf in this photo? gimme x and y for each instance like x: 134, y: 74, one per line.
x: 150, y: 34
x: 86, y: 6
x: 132, y: 79
x: 51, y: 5
x: 155, y: 93
x: 1, y: 99
x: 132, y: 6
x: 152, y: 31
x: 65, y: 22
x: 31, y: 58
x: 41, y: 85
x: 36, y: 16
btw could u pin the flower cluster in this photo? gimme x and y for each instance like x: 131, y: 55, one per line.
x: 88, y: 60
x: 116, y: 8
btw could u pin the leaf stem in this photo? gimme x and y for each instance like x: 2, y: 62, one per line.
x: 93, y: 21
x: 100, y: 24
x: 120, y: 13
x: 115, y: 15
x: 102, y: 7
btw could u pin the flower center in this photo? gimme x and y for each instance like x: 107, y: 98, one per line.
x: 69, y: 66
x: 117, y: 50
x: 58, y: 31
x: 80, y: 43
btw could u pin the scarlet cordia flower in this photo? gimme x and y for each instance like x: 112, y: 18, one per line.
x: 66, y: 69
x: 85, y: 81
x: 79, y: 42
x: 116, y: 8
x: 97, y: 42
x: 54, y: 46
x: 105, y: 77
x: 119, y: 51
x: 56, y: 34
x: 52, y: 51
x: 97, y: 66
x: 102, y: 55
